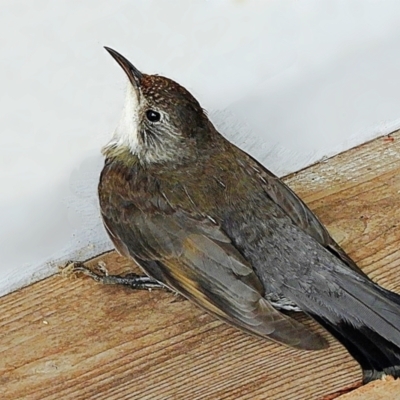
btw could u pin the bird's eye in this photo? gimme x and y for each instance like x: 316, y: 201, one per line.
x: 153, y: 116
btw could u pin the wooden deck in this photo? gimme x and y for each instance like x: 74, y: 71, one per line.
x: 76, y: 339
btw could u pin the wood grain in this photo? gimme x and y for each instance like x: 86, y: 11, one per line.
x: 75, y: 339
x: 386, y: 388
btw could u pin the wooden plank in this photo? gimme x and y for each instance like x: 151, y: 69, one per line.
x: 75, y: 339
x: 386, y: 388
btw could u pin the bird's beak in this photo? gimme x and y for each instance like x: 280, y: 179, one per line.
x: 134, y: 75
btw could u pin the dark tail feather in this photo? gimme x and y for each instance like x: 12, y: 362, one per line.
x: 376, y: 355
x: 370, y: 327
x: 389, y: 295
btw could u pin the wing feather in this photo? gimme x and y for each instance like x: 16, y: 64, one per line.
x: 198, y: 260
x: 298, y: 211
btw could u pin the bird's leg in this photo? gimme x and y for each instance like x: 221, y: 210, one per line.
x: 132, y: 280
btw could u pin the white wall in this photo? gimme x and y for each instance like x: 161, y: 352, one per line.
x: 290, y: 81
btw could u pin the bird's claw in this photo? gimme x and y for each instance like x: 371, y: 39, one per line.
x: 72, y: 268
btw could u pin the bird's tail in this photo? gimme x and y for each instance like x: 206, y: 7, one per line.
x: 376, y: 355
x: 375, y: 341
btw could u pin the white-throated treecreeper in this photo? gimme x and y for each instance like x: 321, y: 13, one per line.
x: 202, y: 217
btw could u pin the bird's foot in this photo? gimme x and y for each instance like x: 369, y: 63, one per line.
x: 101, y: 275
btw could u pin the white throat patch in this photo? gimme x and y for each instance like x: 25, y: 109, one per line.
x: 127, y: 131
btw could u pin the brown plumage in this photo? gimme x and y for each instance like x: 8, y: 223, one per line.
x: 204, y: 218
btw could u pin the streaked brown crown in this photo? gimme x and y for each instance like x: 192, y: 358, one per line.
x: 161, y: 89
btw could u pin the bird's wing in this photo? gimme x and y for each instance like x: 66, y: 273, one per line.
x: 198, y: 260
x: 298, y: 211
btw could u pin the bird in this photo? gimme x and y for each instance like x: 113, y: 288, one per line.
x: 205, y: 219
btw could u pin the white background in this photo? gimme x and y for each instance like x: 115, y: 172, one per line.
x: 290, y: 81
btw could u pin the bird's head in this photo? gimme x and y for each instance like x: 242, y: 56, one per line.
x: 161, y: 120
